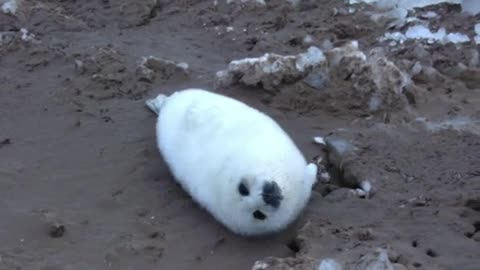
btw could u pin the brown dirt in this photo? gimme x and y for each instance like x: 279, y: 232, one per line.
x: 82, y: 185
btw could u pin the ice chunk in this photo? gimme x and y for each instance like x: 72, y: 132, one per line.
x: 312, y: 57
x: 407, y: 4
x: 477, y: 32
x: 422, y: 32
x: 270, y: 70
x: 10, y: 7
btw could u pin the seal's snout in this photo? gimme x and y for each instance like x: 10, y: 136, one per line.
x: 272, y: 194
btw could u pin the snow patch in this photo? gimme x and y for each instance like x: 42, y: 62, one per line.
x: 10, y: 7
x: 458, y: 123
x: 477, y: 33
x: 270, y: 70
x: 405, y: 4
x: 423, y: 32
x: 26, y: 36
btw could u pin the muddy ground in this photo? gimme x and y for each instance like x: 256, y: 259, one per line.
x: 82, y: 185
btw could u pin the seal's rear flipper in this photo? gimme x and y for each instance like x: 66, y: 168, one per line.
x: 155, y: 104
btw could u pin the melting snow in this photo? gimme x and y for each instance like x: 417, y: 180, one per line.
x: 477, y: 32
x: 9, y: 7
x: 406, y: 4
x: 422, y: 32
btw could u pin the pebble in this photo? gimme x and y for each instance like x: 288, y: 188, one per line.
x: 376, y: 260
x: 56, y: 230
x: 316, y: 79
x: 476, y: 237
x: 473, y: 204
x: 79, y: 66
x: 365, y: 235
x: 432, y: 253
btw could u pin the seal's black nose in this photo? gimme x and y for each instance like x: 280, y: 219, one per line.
x: 272, y: 194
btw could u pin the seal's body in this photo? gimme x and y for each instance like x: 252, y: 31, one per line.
x: 233, y: 160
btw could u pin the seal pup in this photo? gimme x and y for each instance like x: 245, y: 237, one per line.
x: 233, y: 160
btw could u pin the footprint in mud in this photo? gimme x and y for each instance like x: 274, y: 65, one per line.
x: 431, y: 253
x: 473, y: 204
x: 5, y: 142
x: 475, y: 235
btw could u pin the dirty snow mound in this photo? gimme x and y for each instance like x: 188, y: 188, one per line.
x: 270, y: 70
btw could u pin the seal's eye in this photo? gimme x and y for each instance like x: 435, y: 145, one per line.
x: 243, y: 190
x: 259, y: 215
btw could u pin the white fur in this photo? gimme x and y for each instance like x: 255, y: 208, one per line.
x: 211, y: 142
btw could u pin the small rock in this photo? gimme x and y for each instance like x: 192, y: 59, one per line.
x: 421, y: 54
x: 474, y: 57
x: 145, y: 74
x: 6, y: 141
x: 56, y: 230
x: 151, y: 66
x: 365, y: 235
x: 224, y: 78
x: 476, y: 225
x: 329, y: 264
x: 361, y: 193
x: 414, y: 243
x: 157, y: 234
x: 338, y: 150
x: 473, y: 204
x: 432, y: 253
x: 416, y: 69
x: 417, y: 264
x: 316, y: 79
x: 324, y: 177
x: 79, y: 66
x: 326, y: 45
x: 55, y: 226
x: 349, y: 51
x: 392, y: 169
x: 476, y: 237
x: 307, y: 40
x: 376, y: 260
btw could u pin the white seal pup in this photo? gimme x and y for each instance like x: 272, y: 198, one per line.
x: 233, y: 160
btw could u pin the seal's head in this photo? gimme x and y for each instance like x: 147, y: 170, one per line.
x: 265, y: 203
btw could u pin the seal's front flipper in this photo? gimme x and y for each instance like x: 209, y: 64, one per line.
x: 155, y: 104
